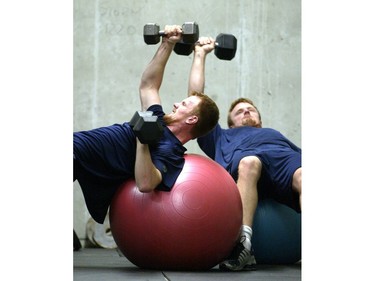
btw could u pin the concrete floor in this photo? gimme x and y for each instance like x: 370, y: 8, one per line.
x: 94, y: 264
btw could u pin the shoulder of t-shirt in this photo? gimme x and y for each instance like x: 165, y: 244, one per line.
x: 157, y: 109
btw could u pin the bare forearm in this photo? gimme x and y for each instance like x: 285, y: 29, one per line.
x: 204, y: 46
x: 152, y: 77
x: 147, y: 176
x: 197, y: 73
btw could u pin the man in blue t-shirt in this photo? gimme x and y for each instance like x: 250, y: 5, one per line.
x: 106, y: 157
x: 262, y: 161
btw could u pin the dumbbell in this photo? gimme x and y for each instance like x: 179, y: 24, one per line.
x: 146, y: 127
x: 225, y: 47
x: 152, y: 33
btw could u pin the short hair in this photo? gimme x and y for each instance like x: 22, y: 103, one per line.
x: 208, y: 115
x: 234, y: 103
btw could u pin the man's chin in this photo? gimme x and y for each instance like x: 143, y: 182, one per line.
x: 249, y: 122
x: 168, y: 119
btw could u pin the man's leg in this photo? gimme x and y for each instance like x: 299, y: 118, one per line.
x: 297, y: 184
x: 249, y: 171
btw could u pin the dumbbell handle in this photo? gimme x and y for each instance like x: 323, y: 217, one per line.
x: 162, y: 32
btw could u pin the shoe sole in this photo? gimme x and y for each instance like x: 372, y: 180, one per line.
x: 247, y: 267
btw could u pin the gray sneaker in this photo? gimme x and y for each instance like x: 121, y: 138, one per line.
x: 240, y: 258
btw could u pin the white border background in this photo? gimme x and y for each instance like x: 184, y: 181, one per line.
x: 338, y: 140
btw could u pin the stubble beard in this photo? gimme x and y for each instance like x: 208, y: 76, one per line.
x: 168, y: 119
x: 249, y: 122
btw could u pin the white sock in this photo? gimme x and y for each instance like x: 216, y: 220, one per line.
x: 248, y: 232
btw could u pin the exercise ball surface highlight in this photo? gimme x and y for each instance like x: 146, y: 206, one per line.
x: 276, y: 233
x: 192, y: 227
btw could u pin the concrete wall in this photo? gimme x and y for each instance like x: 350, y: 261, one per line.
x: 110, y: 56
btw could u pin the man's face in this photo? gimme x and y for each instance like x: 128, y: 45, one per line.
x: 184, y: 109
x: 245, y: 114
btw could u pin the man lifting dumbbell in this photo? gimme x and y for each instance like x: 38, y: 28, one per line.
x: 106, y: 157
x: 225, y: 47
x: 264, y: 163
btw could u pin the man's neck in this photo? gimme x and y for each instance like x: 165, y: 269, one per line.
x: 180, y: 133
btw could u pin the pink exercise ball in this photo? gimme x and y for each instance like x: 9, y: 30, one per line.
x: 192, y: 227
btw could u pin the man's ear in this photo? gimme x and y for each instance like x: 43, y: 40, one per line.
x: 192, y: 120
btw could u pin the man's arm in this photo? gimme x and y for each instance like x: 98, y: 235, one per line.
x: 147, y: 176
x: 197, y: 73
x: 152, y: 77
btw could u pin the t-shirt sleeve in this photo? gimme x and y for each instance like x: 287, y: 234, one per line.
x: 208, y: 142
x: 157, y: 110
x: 167, y: 155
x: 170, y: 168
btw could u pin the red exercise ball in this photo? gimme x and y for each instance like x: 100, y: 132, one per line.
x: 192, y: 227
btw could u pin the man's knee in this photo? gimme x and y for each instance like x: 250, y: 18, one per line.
x: 250, y: 165
x: 297, y: 180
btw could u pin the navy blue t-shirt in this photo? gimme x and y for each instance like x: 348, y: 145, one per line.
x: 280, y: 157
x: 104, y: 158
